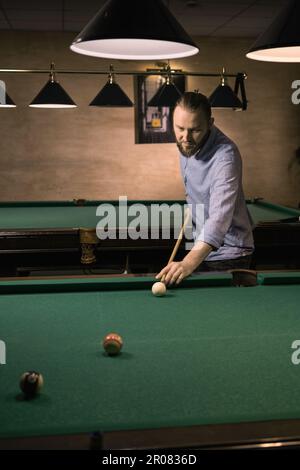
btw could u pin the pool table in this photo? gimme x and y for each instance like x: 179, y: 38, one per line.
x: 44, y: 238
x: 209, y: 365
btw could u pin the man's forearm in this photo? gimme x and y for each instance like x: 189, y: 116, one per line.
x: 197, y: 254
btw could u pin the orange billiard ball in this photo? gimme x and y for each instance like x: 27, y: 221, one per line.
x: 112, y: 344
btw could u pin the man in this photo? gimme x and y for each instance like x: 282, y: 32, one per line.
x: 211, y: 168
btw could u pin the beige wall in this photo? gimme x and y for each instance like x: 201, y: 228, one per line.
x: 90, y: 152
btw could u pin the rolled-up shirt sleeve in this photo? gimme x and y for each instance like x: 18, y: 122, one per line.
x: 223, y: 195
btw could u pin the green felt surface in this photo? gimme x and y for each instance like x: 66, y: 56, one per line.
x: 68, y: 215
x: 263, y: 211
x: 60, y: 214
x: 203, y: 354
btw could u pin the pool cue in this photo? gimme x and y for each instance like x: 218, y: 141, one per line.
x: 180, y: 236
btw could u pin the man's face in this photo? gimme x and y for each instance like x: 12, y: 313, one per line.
x: 191, y: 129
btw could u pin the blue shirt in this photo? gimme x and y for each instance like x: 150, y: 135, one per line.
x: 213, y: 178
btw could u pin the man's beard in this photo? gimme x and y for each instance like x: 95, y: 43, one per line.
x: 194, y: 148
x: 191, y: 151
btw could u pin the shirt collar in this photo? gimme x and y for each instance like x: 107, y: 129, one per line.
x: 208, y: 144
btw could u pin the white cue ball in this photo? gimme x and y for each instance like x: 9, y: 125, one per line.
x: 159, y: 289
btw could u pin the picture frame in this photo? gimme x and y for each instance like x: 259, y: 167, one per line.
x: 153, y: 125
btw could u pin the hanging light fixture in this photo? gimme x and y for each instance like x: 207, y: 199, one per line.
x: 167, y: 95
x: 8, y: 102
x: 5, y: 99
x: 239, y: 86
x: 112, y: 94
x: 281, y: 41
x: 134, y: 30
x: 52, y: 95
x: 223, y: 96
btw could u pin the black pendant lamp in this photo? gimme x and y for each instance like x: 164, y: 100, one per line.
x: 134, y: 30
x: 8, y: 102
x: 5, y: 99
x: 281, y: 41
x: 52, y: 95
x: 167, y: 95
x: 224, y: 97
x: 112, y: 94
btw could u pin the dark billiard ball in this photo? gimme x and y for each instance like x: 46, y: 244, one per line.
x: 112, y: 344
x: 31, y: 383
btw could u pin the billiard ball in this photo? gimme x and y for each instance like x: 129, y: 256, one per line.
x: 31, y: 383
x: 159, y: 289
x: 112, y: 344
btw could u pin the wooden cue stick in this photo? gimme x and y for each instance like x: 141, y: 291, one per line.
x: 180, y: 236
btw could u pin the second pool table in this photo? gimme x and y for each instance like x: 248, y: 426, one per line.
x: 44, y: 238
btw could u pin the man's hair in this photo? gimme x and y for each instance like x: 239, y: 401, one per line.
x: 193, y: 101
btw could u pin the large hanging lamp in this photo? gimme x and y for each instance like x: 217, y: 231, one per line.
x: 281, y: 41
x: 52, y: 95
x: 134, y: 30
x: 112, y: 94
x: 223, y: 96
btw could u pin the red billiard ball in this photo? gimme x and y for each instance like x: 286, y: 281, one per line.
x: 112, y: 344
x: 31, y: 383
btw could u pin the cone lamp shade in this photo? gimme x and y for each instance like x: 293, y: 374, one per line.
x: 224, y: 97
x: 167, y: 95
x: 112, y: 95
x: 5, y: 99
x: 52, y: 95
x: 281, y: 41
x: 7, y: 102
x: 134, y: 30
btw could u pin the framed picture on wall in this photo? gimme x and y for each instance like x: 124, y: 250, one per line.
x: 153, y: 125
